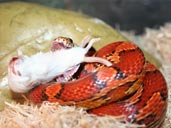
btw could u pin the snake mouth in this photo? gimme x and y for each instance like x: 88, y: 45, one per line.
x: 64, y: 43
x: 68, y: 75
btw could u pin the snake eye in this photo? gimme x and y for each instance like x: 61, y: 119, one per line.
x: 70, y: 40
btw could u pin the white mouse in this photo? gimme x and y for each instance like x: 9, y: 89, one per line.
x: 24, y: 72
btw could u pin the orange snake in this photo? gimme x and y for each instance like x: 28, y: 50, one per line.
x: 132, y: 86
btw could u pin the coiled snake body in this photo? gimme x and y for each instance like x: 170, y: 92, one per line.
x: 131, y: 86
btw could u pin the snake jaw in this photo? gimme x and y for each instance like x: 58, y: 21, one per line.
x: 64, y: 43
x: 68, y: 75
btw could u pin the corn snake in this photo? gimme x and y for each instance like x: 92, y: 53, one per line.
x: 131, y: 86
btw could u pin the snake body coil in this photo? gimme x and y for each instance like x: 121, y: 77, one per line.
x: 131, y: 86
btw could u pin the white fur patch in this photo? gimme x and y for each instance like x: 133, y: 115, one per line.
x: 43, y: 67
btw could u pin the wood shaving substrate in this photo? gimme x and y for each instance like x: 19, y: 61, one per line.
x: 51, y: 115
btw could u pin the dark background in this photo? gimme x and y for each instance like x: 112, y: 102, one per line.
x: 123, y: 14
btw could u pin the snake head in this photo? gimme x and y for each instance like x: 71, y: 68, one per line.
x: 62, y: 43
x: 59, y: 43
